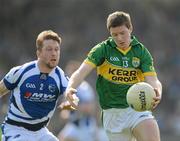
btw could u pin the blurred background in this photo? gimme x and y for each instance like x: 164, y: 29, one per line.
x: 82, y: 24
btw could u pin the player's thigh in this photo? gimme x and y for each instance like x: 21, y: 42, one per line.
x: 46, y: 135
x: 147, y: 130
x: 125, y: 135
x: 49, y: 138
x: 13, y: 134
x: 14, y: 138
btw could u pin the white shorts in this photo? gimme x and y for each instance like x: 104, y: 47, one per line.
x: 15, y: 133
x: 118, y: 123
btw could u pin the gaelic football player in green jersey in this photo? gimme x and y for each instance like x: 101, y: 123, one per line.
x: 121, y: 61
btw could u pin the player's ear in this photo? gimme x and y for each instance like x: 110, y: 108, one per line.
x: 38, y: 53
x: 131, y: 29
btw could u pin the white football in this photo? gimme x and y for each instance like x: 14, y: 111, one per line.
x: 140, y: 96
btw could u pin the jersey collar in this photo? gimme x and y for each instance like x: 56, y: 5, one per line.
x: 134, y: 41
x: 124, y: 51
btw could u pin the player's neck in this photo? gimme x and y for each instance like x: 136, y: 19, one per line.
x: 123, y: 48
x: 43, y: 68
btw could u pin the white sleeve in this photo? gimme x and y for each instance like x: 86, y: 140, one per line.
x: 11, y: 78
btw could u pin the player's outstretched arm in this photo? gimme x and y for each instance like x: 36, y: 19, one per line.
x: 3, y: 89
x: 75, y: 80
x: 156, y: 84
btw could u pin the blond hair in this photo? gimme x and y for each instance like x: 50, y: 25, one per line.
x: 45, y: 35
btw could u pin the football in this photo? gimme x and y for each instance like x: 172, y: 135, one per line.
x: 140, y: 96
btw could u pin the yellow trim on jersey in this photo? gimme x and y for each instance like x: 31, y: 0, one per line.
x: 90, y: 63
x: 124, y: 51
x: 150, y: 74
x: 119, y: 75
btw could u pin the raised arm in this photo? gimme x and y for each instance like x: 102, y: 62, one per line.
x: 75, y: 80
x: 79, y: 75
x: 156, y: 84
x: 3, y: 89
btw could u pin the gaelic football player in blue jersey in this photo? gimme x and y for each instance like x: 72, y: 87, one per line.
x: 35, y: 88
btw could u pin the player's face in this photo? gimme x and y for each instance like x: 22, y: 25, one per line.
x: 121, y: 36
x: 49, y: 55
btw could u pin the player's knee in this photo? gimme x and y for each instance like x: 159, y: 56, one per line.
x: 147, y: 130
x: 152, y: 139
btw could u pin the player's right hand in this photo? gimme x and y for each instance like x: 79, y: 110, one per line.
x: 66, y: 106
x: 156, y: 100
x: 70, y: 96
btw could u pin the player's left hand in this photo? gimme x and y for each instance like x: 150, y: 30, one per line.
x: 156, y: 100
x: 70, y: 96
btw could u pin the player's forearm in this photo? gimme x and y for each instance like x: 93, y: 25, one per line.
x: 3, y: 89
x: 75, y: 80
x: 155, y: 83
x: 79, y: 75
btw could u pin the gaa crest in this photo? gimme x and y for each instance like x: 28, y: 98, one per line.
x: 52, y: 88
x: 135, y: 62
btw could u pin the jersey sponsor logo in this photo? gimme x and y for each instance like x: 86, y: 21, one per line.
x: 30, y: 85
x: 135, y: 62
x: 114, y: 58
x: 39, y: 97
x: 27, y: 95
x: 122, y: 75
x: 117, y: 74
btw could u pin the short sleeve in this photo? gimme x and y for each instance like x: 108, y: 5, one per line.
x: 10, y: 79
x: 147, y: 66
x: 96, y: 55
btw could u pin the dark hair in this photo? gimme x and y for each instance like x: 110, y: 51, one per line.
x: 119, y: 18
x: 45, y: 35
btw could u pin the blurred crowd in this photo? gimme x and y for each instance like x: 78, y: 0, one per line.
x: 82, y: 24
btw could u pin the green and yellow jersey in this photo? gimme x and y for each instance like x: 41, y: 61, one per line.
x: 117, y: 70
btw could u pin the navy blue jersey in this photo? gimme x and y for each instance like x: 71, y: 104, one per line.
x: 33, y: 94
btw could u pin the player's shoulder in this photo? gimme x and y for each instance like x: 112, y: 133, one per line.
x: 104, y: 46
x: 22, y: 67
x: 60, y: 73
x: 59, y: 70
x: 31, y: 64
x: 108, y: 43
x: 136, y: 44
